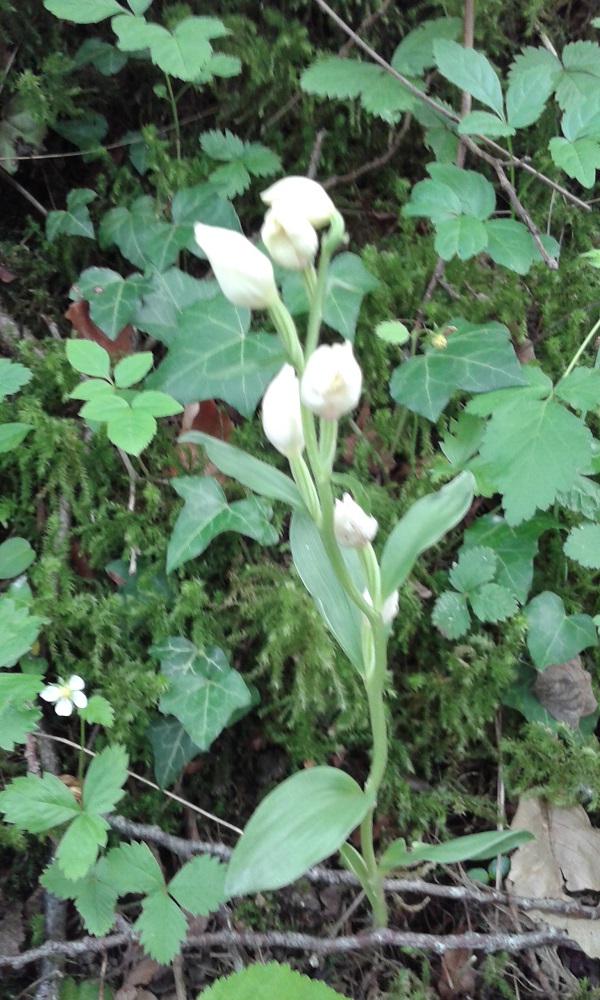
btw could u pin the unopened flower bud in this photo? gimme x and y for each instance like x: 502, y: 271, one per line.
x: 243, y: 272
x: 303, y: 196
x: 332, y: 381
x: 289, y: 237
x: 389, y: 608
x: 351, y: 526
x: 281, y: 414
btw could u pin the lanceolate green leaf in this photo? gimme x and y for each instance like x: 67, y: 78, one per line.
x: 206, y: 514
x: 301, y: 822
x: 249, y: 471
x: 474, y: 847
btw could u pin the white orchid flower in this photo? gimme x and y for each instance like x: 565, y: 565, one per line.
x: 281, y: 415
x: 332, y: 381
x: 352, y: 527
x: 243, y: 272
x: 303, y: 196
x: 289, y: 237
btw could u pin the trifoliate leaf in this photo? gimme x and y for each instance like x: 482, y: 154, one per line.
x: 88, y: 13
x: 130, y: 370
x: 38, y: 803
x: 552, y: 635
x: 493, y: 603
x: 514, y: 548
x: 475, y: 566
x: 463, y: 237
x: 199, y: 887
x: 415, y: 52
x: 580, y: 79
x: 451, y: 615
x: 583, y: 545
x: 89, y: 358
x: 161, y: 926
x: 104, y: 780
x: 271, y: 981
x: 133, y: 868
x: 579, y: 159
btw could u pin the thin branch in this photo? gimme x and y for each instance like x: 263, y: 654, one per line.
x: 4, y: 174
x: 450, y: 115
x: 379, y: 161
x: 292, y: 941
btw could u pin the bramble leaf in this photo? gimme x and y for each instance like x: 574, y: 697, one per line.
x: 579, y: 159
x: 270, y: 981
x: 89, y: 358
x: 415, y: 52
x: 83, y: 13
x: 13, y: 376
x: 471, y: 71
x: 492, y: 603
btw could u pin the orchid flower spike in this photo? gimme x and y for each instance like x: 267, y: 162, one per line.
x: 332, y: 381
x: 243, y: 272
x: 65, y: 695
x: 352, y: 527
x: 304, y: 197
x: 389, y: 608
x: 281, y: 414
x: 289, y: 237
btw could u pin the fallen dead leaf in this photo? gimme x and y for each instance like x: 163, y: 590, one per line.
x: 565, y: 690
x: 457, y: 975
x: 78, y: 314
x: 6, y: 275
x: 563, y: 859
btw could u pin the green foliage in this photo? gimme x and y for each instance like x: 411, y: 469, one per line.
x: 472, y: 577
x: 270, y: 982
x: 552, y: 635
x: 242, y: 161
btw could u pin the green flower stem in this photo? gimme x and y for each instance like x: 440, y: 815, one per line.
x: 581, y: 349
x: 309, y: 280
x: 328, y: 430
x: 305, y: 484
x: 372, y: 573
x: 81, y: 752
x: 173, y: 104
x: 316, y: 294
x: 286, y: 328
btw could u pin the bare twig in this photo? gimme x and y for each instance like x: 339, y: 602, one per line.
x: 445, y: 113
x: 315, y: 156
x: 4, y: 174
x: 379, y: 161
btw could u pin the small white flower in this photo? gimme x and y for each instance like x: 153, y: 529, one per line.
x: 289, y: 237
x: 351, y: 526
x: 243, y: 272
x: 389, y: 608
x: 332, y: 381
x: 303, y: 196
x: 281, y: 414
x: 65, y: 695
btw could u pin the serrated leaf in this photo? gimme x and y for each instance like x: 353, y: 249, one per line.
x: 38, y: 803
x: 172, y: 748
x: 582, y: 497
x: 583, y: 545
x: 270, y: 981
x: 96, y: 900
x: 89, y: 358
x: 415, y: 52
x: 535, y: 448
x: 18, y: 631
x: 101, y: 55
x: 301, y: 822
x: 185, y: 52
x: 463, y: 237
x: 199, y: 887
x: 582, y: 119
x: 11, y: 436
x: 83, y: 13
x: 433, y: 200
x: 203, y: 694
x: 580, y: 79
x: 17, y: 718
x: 475, y: 359
x: 130, y: 370
x: 243, y: 159
x: 214, y: 357
x: 475, y: 566
x: 104, y: 780
x: 484, y: 123
x: 493, y: 603
x: 334, y: 77
x: 13, y: 376
x: 161, y: 927
x: 526, y: 97
x: 104, y: 406
x: 451, y: 615
x: 157, y: 404
x: 552, y: 635
x: 462, y: 439
x: 579, y: 159
x: 511, y: 244
x: 132, y: 430
x: 207, y: 514
x: 515, y: 550
x: 469, y: 70
x: 133, y: 868
x: 98, y: 711
x: 536, y: 70
x: 78, y: 848
x: 16, y: 555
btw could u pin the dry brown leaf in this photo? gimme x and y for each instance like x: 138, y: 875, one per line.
x: 564, y: 858
x: 142, y: 973
x: 457, y: 976
x: 565, y: 690
x: 79, y: 315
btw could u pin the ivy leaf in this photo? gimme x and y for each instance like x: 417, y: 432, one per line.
x: 493, y: 603
x: 552, y: 635
x: 164, y: 304
x: 75, y: 221
x: 475, y: 359
x: 515, y: 549
x: 172, y: 748
x: 214, y: 357
x: 161, y: 926
x: 270, y: 981
x: 127, y: 228
x: 13, y: 376
x: 583, y: 545
x: 203, y: 693
x: 415, y: 52
x: 535, y: 448
x: 199, y: 887
x: 104, y: 780
x: 38, y: 803
x: 471, y: 71
x: 89, y: 13
x: 475, y: 566
x: 451, y: 615
x: 463, y: 237
x: 207, y: 514
x: 113, y: 300
x: 86, y: 133
x: 579, y: 159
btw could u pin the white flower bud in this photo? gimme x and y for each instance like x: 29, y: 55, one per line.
x: 304, y: 196
x: 332, y: 381
x: 281, y: 415
x: 289, y: 237
x: 389, y: 608
x: 351, y: 526
x: 243, y: 272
